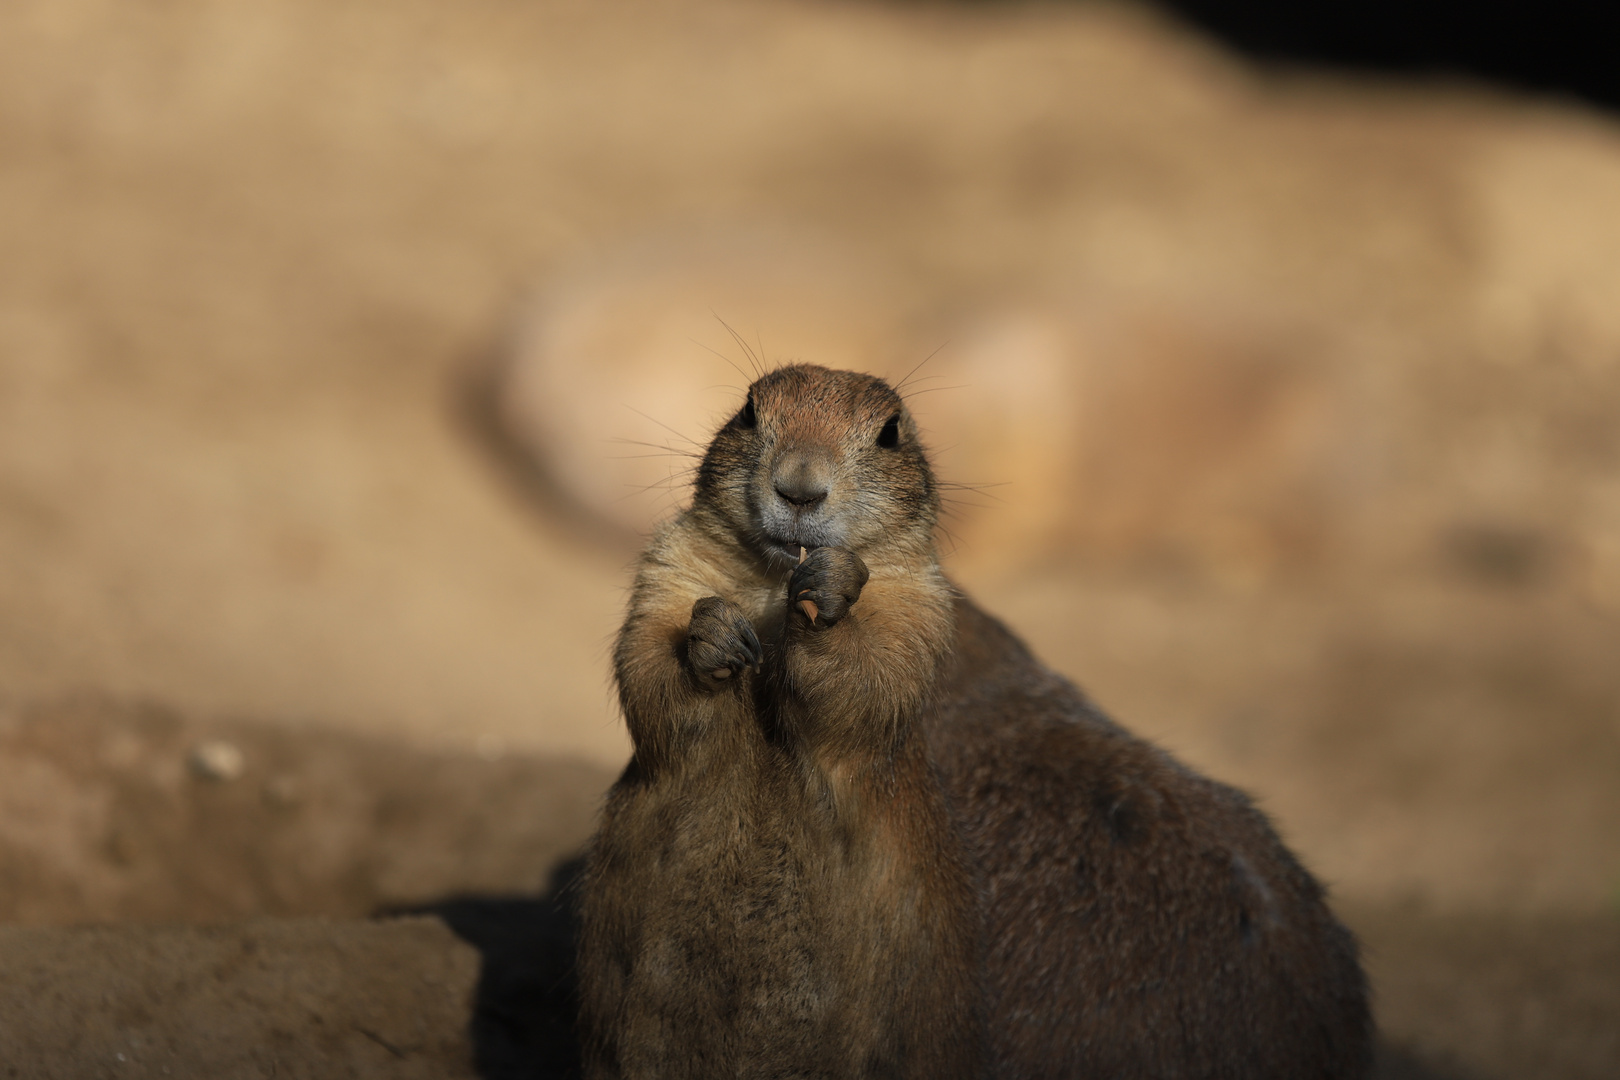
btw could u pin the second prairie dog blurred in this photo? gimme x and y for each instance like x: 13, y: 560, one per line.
x: 1091, y: 430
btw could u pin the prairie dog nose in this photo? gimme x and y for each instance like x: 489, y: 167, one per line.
x: 802, y: 478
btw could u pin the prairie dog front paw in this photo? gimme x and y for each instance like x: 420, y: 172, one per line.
x: 720, y: 642
x: 825, y: 585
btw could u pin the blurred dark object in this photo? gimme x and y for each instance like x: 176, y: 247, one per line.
x: 1561, y: 46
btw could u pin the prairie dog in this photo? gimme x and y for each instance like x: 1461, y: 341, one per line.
x: 777, y: 889
x: 871, y: 835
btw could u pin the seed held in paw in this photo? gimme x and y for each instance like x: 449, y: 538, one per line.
x: 807, y: 606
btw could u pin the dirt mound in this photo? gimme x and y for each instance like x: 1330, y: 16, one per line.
x: 138, y: 819
x: 293, y: 998
x: 112, y: 813
x: 141, y: 818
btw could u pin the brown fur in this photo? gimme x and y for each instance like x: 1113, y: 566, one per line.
x: 776, y: 889
x: 1140, y: 920
x: 843, y: 841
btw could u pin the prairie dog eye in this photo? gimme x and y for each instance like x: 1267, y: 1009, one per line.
x: 746, y: 418
x: 889, y: 437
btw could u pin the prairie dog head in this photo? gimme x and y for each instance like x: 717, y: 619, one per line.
x: 819, y: 458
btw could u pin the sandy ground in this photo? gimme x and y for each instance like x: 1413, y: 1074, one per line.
x: 293, y: 998
x: 170, y: 918
x: 293, y: 629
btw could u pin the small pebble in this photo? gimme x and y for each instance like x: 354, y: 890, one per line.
x: 217, y: 760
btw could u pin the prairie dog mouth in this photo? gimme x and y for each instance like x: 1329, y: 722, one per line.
x: 792, y: 551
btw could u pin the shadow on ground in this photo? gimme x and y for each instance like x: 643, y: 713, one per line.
x: 523, y: 1015
x: 1398, y: 1063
